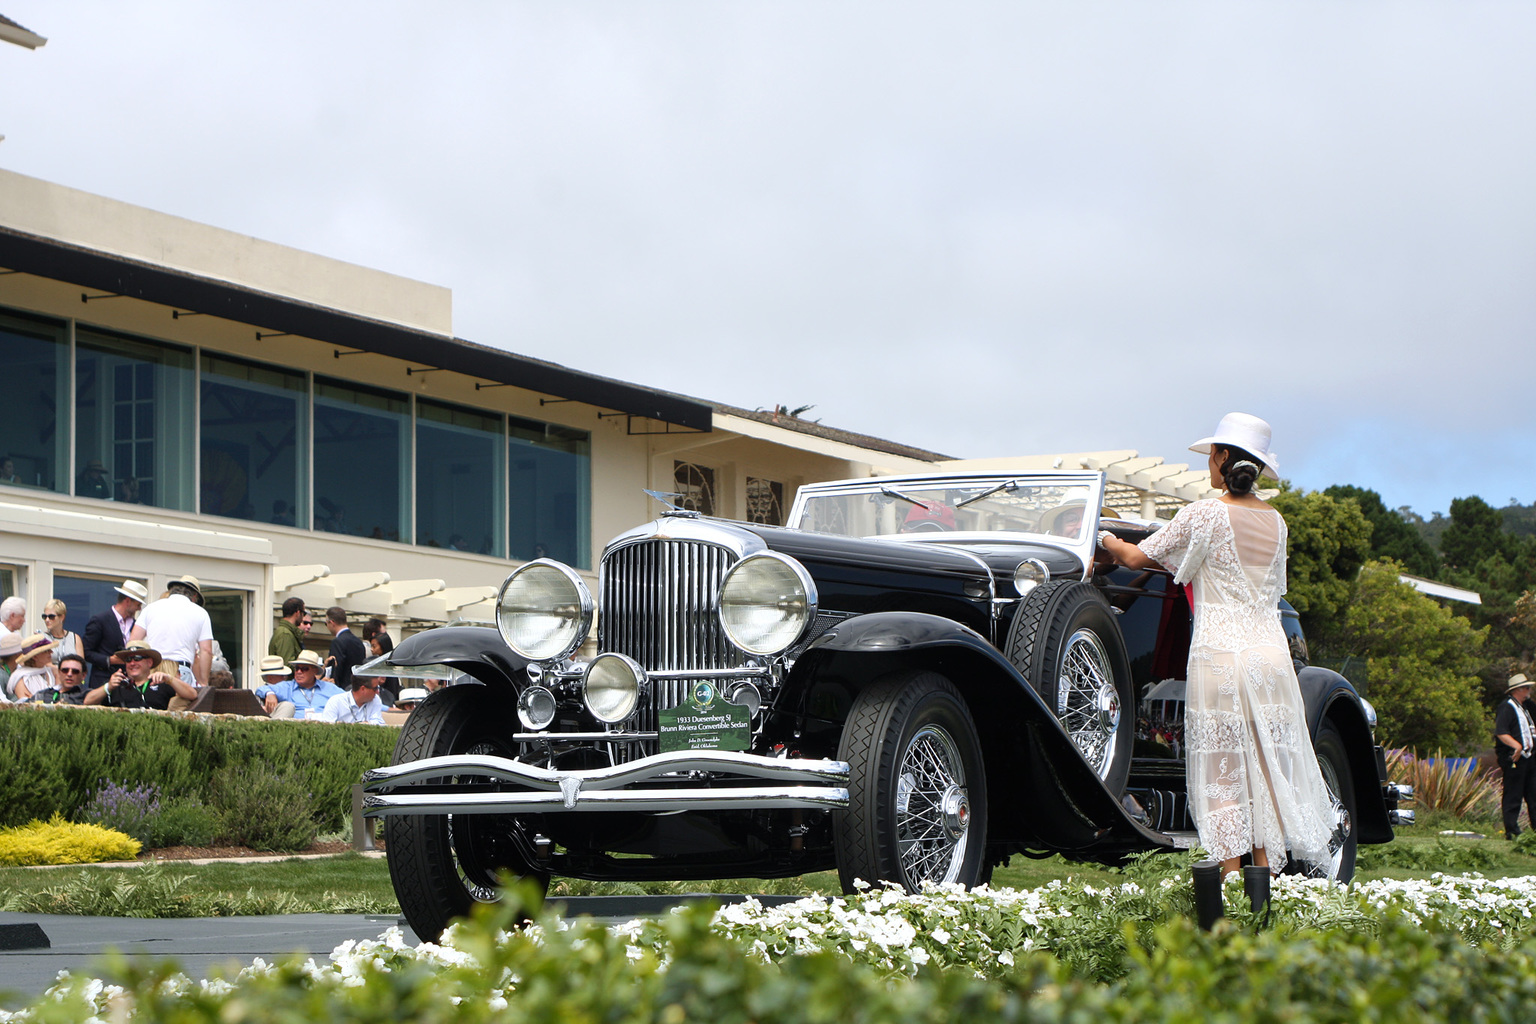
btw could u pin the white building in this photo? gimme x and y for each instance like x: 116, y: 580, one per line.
x: 183, y: 399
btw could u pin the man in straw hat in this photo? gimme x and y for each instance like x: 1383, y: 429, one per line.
x: 140, y: 680
x: 178, y: 627
x: 303, y: 696
x: 1515, y: 735
x: 109, y: 632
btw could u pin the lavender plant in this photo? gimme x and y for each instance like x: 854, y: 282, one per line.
x: 130, y: 810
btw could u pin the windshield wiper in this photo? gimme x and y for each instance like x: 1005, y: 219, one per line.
x: 1007, y: 485
x: 891, y: 492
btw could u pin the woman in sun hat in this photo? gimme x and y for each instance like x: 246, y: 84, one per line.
x: 34, y: 673
x: 1253, y: 780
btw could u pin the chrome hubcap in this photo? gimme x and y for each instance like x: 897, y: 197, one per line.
x: 932, y: 809
x: 1087, y: 702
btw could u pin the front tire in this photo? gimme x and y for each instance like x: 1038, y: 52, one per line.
x: 441, y: 865
x: 917, y: 808
x: 1065, y: 642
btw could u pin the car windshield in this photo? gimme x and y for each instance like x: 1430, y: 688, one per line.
x: 1033, y: 505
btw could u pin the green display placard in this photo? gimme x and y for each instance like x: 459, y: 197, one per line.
x: 717, y: 726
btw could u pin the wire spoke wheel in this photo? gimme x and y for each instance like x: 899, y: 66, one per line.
x: 1066, y: 643
x: 917, y: 792
x: 1087, y: 700
x: 932, y: 808
x: 443, y: 864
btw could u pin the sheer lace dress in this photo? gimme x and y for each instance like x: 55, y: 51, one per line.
x: 1253, y: 778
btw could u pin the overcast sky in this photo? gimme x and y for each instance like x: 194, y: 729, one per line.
x: 981, y: 229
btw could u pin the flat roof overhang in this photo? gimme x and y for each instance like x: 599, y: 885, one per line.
x: 119, y: 275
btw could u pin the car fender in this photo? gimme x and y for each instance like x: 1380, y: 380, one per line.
x: 1329, y: 697
x: 1042, y: 792
x: 477, y: 650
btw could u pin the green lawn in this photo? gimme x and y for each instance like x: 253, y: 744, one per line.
x: 322, y: 883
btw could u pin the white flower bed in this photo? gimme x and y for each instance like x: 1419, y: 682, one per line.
x: 983, y: 930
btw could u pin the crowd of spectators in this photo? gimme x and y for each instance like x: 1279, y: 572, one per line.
x: 162, y: 655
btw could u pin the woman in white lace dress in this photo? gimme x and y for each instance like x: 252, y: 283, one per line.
x: 1253, y: 780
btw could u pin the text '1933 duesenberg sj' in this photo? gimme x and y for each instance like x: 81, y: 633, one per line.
x: 917, y: 679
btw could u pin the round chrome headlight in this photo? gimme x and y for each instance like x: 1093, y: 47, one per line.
x: 1370, y: 712
x: 766, y: 603
x: 544, y: 611
x: 536, y: 708
x: 1029, y: 575
x: 611, y: 687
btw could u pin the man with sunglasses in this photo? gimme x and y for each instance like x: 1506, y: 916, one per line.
x: 140, y: 683
x: 72, y: 672
x: 287, y: 638
x: 363, y: 705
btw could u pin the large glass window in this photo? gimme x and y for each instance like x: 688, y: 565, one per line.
x: 253, y: 442
x: 549, y: 480
x: 226, y: 612
x: 133, y: 421
x: 460, y: 479
x: 34, y: 424
x: 83, y: 597
x: 362, y: 461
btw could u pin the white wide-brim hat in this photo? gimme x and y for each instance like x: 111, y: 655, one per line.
x: 1240, y: 430
x: 135, y: 590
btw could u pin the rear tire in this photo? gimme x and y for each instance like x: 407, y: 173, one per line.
x: 1065, y: 642
x: 441, y: 865
x: 1333, y: 762
x: 917, y: 808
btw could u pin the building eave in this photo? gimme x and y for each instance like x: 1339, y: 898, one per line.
x: 178, y: 289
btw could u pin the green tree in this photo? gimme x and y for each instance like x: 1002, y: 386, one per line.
x: 1330, y: 540
x: 1392, y: 535
x: 1423, y: 662
x: 1475, y: 534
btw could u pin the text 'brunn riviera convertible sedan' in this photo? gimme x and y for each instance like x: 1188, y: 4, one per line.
x: 919, y: 678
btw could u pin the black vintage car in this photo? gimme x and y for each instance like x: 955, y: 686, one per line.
x: 922, y: 677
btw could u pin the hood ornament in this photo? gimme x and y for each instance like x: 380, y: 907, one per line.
x: 671, y: 499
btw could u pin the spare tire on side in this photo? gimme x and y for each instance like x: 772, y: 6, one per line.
x: 1065, y: 642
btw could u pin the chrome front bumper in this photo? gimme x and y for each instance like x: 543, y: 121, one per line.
x: 697, y: 780
x: 1396, y: 794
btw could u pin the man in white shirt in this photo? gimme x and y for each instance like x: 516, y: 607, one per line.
x: 1515, y: 735
x: 179, y: 628
x: 361, y: 705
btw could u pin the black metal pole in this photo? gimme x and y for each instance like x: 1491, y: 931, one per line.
x: 1256, y: 885
x: 1208, y: 905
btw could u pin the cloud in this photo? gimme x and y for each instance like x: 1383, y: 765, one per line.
x: 976, y: 228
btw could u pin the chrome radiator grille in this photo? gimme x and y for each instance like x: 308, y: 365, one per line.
x: 658, y: 607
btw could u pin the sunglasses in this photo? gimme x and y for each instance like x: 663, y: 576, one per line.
x: 49, y: 615
x: 71, y: 672
x: 139, y: 657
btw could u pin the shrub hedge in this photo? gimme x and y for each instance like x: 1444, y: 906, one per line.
x: 57, y: 841
x: 57, y: 756
x: 1396, y: 969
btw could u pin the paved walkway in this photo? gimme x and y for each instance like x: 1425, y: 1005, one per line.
x: 201, y: 944
x: 198, y: 944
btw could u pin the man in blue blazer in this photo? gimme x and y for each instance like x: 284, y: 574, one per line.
x: 108, y: 633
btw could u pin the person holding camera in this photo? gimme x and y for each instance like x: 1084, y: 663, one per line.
x: 140, y: 681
